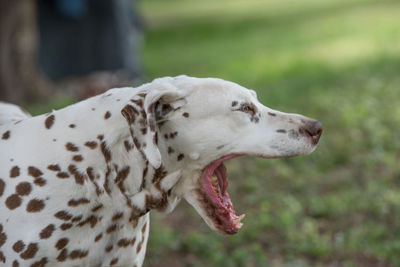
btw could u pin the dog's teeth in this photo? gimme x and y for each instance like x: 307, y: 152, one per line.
x: 237, y: 221
x: 214, y: 181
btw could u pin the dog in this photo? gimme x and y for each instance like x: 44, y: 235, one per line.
x: 77, y: 184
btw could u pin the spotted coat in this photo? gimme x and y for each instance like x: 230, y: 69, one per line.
x: 77, y: 184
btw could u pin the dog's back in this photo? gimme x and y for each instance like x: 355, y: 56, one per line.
x: 11, y: 113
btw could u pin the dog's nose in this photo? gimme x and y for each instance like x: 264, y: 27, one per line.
x: 313, y: 128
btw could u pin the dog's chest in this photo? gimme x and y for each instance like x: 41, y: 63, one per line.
x: 107, y: 239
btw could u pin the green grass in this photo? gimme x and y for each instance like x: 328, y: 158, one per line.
x: 335, y: 60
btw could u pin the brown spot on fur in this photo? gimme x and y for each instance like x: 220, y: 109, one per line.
x: 23, y: 189
x: 14, y: 172
x: 128, y: 146
x: 2, y: 186
x: 79, y: 177
x: 144, y: 228
x: 123, y: 242
x: 72, y: 126
x: 137, y: 144
x: 34, y: 172
x: 234, y: 103
x: 129, y: 113
x: 62, y: 175
x: 18, y: 246
x: 13, y: 201
x: 63, y: 255
x: 61, y: 243
x: 106, y: 152
x: 159, y: 174
x: 108, y: 249
x: 2, y: 257
x: 111, y: 228
x: 113, y: 261
x: 272, y: 114
x: 281, y: 131
x: 63, y: 215
x: 186, y: 115
x: 15, y: 263
x: 30, y: 251
x: 3, y: 238
x: 165, y: 109
x: 138, y: 102
x: 144, y: 174
x: 180, y: 157
x: 35, y: 205
x: 139, y: 246
x: 98, y: 207
x: 155, y: 138
x: 91, y: 144
x: 134, y: 221
x: 49, y: 121
x: 92, y: 220
x: 98, y: 237
x: 105, y: 184
x: 172, y: 135
x: 71, y: 147
x: 77, y: 158
x: 54, y: 167
x: 107, y: 115
x: 77, y: 218
x: 47, y: 231
x: 39, y: 181
x: 117, y: 216
x: 6, y: 135
x: 156, y: 203
x: 65, y: 226
x: 121, y: 176
x: 81, y: 201
x: 170, y: 150
x: 90, y: 173
x: 43, y: 261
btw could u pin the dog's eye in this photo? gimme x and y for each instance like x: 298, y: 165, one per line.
x: 247, y: 108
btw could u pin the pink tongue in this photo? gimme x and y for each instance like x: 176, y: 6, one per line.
x: 222, y: 178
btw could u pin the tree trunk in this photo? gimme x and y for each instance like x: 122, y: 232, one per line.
x: 20, y: 78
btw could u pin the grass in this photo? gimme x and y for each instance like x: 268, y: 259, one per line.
x: 335, y: 60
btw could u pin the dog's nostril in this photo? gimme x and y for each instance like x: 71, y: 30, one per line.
x: 313, y: 129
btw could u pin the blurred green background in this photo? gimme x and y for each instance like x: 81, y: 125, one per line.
x: 334, y: 60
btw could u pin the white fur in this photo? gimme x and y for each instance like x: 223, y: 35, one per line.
x: 213, y: 128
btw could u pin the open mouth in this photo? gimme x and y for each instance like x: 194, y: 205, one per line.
x: 218, y: 204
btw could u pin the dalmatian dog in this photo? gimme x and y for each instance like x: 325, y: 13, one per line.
x: 77, y: 184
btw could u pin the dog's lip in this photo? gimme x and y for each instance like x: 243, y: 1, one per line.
x: 218, y: 205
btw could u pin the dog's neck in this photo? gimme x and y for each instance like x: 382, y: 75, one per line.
x: 108, y: 156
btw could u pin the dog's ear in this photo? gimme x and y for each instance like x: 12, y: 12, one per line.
x: 140, y: 114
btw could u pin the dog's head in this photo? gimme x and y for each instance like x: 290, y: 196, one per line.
x: 200, y: 123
